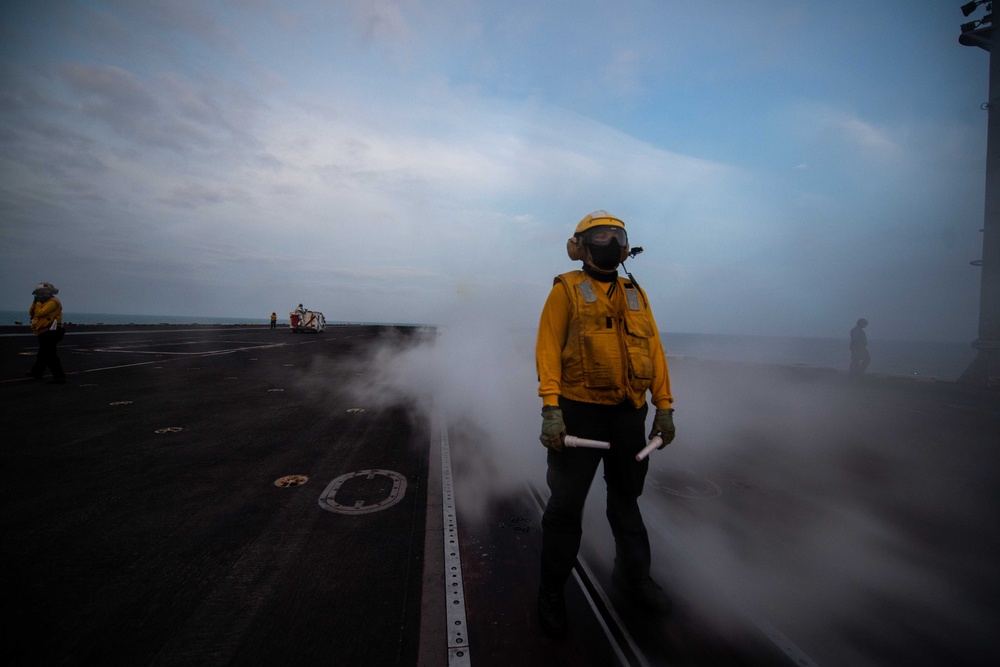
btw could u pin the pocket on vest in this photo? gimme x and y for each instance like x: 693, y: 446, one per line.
x: 602, y: 360
x: 638, y: 334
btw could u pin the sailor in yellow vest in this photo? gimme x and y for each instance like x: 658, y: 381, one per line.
x: 274, y: 321
x: 598, y: 354
x: 46, y: 323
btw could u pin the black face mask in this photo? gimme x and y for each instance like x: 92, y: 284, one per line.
x: 606, y: 257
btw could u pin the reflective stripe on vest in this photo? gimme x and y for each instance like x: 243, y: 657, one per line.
x: 633, y: 299
x: 589, y: 296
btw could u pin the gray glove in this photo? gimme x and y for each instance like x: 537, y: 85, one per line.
x: 663, y: 426
x: 553, y: 428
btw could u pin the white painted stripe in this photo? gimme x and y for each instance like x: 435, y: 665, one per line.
x: 613, y: 641
x: 207, y: 353
x: 124, y: 331
x: 189, y: 355
x: 125, y: 351
x: 458, y: 634
x: 633, y: 647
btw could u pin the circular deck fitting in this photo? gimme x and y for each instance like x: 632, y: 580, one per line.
x: 275, y: 390
x: 520, y: 524
x: 170, y: 429
x: 355, y: 409
x: 291, y: 480
x: 120, y: 403
x: 364, y: 505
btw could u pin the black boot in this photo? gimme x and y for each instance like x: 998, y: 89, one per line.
x: 552, y: 610
x: 644, y: 590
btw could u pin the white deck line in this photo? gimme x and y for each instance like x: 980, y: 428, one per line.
x: 613, y: 641
x: 175, y: 357
x: 458, y: 635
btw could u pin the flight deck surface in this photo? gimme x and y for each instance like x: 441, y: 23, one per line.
x: 241, y: 496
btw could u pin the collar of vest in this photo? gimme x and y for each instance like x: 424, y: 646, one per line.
x: 597, y: 274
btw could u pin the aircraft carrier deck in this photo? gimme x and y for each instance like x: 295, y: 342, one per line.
x: 207, y: 495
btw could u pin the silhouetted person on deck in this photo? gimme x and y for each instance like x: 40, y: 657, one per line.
x: 859, y: 349
x: 274, y: 321
x: 47, y: 324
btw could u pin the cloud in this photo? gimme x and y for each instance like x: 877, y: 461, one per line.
x: 192, y: 195
x: 162, y: 20
x: 168, y: 112
x: 453, y: 148
x: 109, y: 91
x: 874, y: 143
x: 825, y: 131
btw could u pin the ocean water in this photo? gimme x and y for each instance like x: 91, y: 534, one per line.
x: 945, y: 360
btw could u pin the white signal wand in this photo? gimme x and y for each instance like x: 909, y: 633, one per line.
x: 573, y: 441
x: 653, y: 444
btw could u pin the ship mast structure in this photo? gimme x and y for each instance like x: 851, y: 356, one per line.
x: 984, y: 371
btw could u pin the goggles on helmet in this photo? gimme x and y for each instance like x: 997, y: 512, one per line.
x: 603, y: 235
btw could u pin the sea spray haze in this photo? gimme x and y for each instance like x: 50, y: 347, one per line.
x: 841, y: 514
x: 837, y: 508
x: 479, y: 379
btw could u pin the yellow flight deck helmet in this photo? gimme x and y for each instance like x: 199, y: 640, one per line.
x: 597, y: 228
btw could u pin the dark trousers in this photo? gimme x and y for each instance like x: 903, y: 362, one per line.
x: 47, y: 357
x: 859, y: 362
x: 569, y: 476
x: 274, y: 324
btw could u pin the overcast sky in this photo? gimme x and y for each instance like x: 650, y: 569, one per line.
x: 788, y: 165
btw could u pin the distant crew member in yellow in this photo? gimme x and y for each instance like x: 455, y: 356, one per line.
x: 274, y: 321
x: 598, y: 354
x: 46, y: 323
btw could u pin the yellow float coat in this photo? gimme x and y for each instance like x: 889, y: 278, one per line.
x: 45, y: 316
x: 597, y: 348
